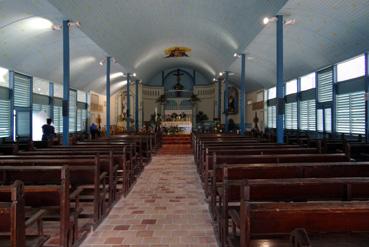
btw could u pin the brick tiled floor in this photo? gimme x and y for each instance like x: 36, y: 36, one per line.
x: 166, y: 208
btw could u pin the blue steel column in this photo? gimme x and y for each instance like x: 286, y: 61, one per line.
x: 128, y: 101
x: 220, y: 100
x: 280, y: 103
x: 242, y: 95
x: 226, y: 102
x: 136, y: 104
x: 108, y: 61
x: 298, y: 100
x: 367, y: 97
x: 11, y: 98
x: 51, y: 100
x: 66, y: 78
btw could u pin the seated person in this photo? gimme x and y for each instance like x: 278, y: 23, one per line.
x: 48, y: 131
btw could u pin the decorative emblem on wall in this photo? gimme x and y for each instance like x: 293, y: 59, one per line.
x: 177, y: 52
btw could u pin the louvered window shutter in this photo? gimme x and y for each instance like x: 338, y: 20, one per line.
x: 350, y: 113
x: 325, y: 85
x: 22, y: 90
x: 4, y: 118
x: 72, y: 111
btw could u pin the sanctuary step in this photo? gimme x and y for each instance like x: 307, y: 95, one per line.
x: 177, y: 139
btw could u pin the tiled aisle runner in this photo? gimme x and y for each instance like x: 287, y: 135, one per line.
x: 165, y: 208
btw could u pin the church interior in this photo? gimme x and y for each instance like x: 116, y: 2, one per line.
x: 198, y: 123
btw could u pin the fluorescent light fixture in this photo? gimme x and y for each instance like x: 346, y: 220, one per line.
x: 268, y: 20
x: 116, y: 75
x: 289, y: 22
x: 39, y: 23
x: 74, y: 24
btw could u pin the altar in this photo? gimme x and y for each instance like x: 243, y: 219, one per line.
x: 184, y: 127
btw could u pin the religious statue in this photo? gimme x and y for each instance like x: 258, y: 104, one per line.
x: 232, y: 100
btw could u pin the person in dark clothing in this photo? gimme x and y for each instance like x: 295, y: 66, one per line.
x: 93, y: 130
x: 48, y: 131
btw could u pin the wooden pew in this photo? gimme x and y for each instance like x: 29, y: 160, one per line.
x: 107, y: 163
x: 13, y: 219
x: 289, y: 190
x: 266, y: 149
x: 237, y: 146
x: 84, y: 175
x: 254, y: 159
x: 201, y: 144
x: 9, y: 148
x: 50, y: 191
x: 129, y: 168
x: 357, y: 151
x: 275, y: 219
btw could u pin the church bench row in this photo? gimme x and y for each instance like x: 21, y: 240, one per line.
x: 84, y: 176
x: 124, y: 157
x: 357, y: 151
x: 14, y: 218
x: 237, y: 146
x: 283, y: 170
x: 54, y: 195
x: 275, y: 159
x: 261, y: 219
x: 266, y: 149
x: 287, y: 182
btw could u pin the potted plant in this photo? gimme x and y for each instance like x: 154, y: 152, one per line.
x: 162, y: 99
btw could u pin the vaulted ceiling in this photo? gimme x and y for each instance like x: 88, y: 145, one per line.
x: 136, y: 32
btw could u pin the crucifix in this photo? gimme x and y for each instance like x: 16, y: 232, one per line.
x: 178, y: 74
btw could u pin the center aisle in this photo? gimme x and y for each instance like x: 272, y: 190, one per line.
x: 166, y: 208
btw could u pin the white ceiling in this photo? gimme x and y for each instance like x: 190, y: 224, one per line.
x: 136, y: 32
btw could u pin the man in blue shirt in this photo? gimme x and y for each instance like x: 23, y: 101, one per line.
x: 48, y: 131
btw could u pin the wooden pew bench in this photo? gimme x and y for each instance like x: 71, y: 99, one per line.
x: 52, y: 193
x: 357, y: 151
x: 15, y: 219
x: 84, y: 175
x: 254, y: 150
x: 255, y: 159
x: 288, y: 190
x: 239, y: 172
x: 207, y: 149
x: 274, y: 220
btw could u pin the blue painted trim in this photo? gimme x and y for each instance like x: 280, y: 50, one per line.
x: 51, y: 100
x: 136, y: 104
x: 367, y: 97
x: 226, y: 127
x: 162, y: 78
x: 220, y: 100
x: 11, y: 97
x: 108, y: 61
x: 316, y: 101
x: 31, y: 107
x: 128, y: 101
x: 66, y: 79
x: 279, y: 87
x: 242, y: 95
x: 194, y: 77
